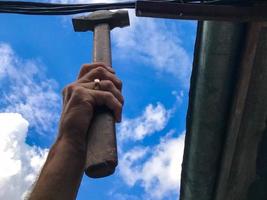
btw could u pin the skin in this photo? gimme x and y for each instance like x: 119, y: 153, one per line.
x: 62, y: 172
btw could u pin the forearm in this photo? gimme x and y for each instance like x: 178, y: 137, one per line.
x: 61, y: 175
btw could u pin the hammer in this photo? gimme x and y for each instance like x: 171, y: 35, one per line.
x: 101, y: 158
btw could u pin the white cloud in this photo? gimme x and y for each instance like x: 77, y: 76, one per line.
x: 179, y: 96
x: 20, y: 163
x: 157, y: 44
x: 156, y: 168
x: 128, y: 166
x: 153, y: 119
x: 26, y: 90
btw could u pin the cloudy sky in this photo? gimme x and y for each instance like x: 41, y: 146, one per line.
x: 39, y: 55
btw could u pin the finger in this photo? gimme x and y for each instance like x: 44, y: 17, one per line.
x: 88, y: 67
x: 102, y: 74
x: 67, y: 91
x: 109, y: 100
x: 105, y: 85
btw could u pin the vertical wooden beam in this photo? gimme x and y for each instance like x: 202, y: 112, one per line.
x: 239, y: 101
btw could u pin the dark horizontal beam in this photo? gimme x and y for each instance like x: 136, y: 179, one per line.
x: 197, y: 11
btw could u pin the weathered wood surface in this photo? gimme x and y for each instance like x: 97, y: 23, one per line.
x: 226, y: 142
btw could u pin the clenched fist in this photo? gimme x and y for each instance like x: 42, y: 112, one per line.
x: 97, y: 85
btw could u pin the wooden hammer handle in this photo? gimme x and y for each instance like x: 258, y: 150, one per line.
x: 102, y: 157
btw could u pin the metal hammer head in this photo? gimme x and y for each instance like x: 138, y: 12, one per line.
x: 114, y: 19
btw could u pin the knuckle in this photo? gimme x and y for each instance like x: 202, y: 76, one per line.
x: 99, y: 70
x: 85, y: 67
x: 109, y: 84
x: 68, y: 88
x: 73, y: 89
x: 108, y: 95
x: 77, y: 90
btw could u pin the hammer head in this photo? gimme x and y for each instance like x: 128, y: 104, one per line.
x: 114, y: 19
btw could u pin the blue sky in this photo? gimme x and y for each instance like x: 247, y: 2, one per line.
x: 153, y: 58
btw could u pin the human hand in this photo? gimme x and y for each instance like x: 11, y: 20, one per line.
x: 81, y: 98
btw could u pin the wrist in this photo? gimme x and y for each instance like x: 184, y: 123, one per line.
x: 74, y: 147
x: 73, y: 135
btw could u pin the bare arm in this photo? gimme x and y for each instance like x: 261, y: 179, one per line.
x: 62, y: 172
